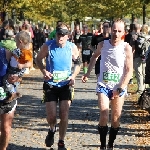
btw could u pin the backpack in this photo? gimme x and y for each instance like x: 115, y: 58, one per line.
x: 144, y: 100
x: 141, y: 44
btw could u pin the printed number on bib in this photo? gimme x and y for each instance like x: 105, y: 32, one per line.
x: 59, y: 75
x: 111, y: 77
x: 86, y: 52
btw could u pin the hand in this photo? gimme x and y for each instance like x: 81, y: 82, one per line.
x: 13, y: 78
x: 115, y: 95
x: 20, y: 66
x: 85, y: 78
x: 47, y: 75
x: 72, y: 81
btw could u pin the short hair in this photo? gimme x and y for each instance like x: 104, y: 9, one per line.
x: 62, y: 25
x: 118, y: 21
x: 58, y: 22
x: 107, y: 23
x: 24, y: 37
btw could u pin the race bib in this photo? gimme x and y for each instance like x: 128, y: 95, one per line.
x: 77, y: 36
x: 111, y: 77
x: 86, y: 52
x: 2, y: 94
x: 59, y: 75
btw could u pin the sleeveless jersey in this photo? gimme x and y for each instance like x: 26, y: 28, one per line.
x: 3, y: 64
x: 59, y: 63
x: 112, y: 65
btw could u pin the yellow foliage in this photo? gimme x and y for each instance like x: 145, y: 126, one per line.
x: 67, y: 10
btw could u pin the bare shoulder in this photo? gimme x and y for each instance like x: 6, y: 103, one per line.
x: 128, y: 48
x: 100, y: 45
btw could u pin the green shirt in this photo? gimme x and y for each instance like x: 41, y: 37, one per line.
x: 52, y: 35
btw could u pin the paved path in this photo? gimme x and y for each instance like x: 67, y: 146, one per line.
x: 30, y: 126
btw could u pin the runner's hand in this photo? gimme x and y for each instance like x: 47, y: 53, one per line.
x: 115, y: 95
x: 72, y: 81
x: 47, y: 75
x: 20, y: 66
x: 13, y: 78
x: 85, y: 78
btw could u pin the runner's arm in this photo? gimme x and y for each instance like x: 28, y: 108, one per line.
x: 94, y: 58
x: 41, y: 55
x: 76, y: 60
x: 128, y: 67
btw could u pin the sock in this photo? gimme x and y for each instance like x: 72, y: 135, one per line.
x: 103, y: 133
x: 85, y: 70
x: 112, y: 136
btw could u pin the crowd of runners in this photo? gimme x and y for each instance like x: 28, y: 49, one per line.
x: 111, y: 49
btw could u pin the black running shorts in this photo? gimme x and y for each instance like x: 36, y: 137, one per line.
x: 54, y: 93
x: 8, y: 107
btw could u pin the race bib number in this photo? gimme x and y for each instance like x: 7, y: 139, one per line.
x: 59, y: 75
x: 111, y: 77
x: 86, y: 52
x: 77, y: 36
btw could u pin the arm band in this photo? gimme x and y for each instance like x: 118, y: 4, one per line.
x: 77, y: 61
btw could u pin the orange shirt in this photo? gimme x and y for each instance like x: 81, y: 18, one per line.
x: 26, y: 56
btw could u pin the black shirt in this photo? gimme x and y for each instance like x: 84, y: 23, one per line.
x: 76, y: 37
x: 128, y: 38
x: 95, y: 40
x: 86, y: 40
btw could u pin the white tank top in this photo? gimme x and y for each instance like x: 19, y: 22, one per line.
x: 112, y: 65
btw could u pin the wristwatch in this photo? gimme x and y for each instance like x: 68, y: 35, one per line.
x: 119, y: 90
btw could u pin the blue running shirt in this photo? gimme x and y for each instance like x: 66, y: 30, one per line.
x: 59, y: 62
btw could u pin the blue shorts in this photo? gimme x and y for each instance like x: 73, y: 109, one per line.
x: 107, y: 91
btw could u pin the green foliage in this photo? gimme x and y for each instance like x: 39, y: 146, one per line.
x: 51, y: 10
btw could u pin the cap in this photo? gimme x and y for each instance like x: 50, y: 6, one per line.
x: 62, y: 31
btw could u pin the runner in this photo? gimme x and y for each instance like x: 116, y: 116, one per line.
x: 116, y: 69
x: 58, y: 81
x: 6, y: 108
x: 85, y: 40
x: 76, y: 35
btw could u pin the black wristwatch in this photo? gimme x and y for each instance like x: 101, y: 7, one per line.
x: 119, y: 90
